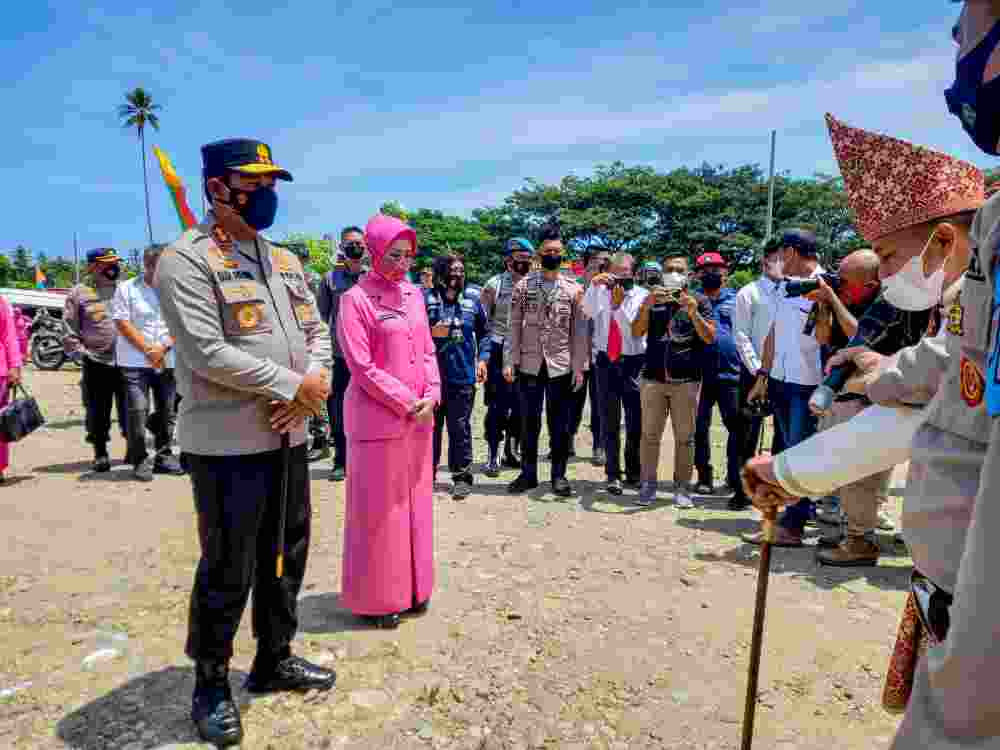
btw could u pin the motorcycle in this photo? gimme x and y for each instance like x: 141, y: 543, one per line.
x: 47, y: 341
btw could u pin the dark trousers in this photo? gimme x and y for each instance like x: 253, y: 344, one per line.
x: 596, y: 411
x: 237, y: 502
x: 139, y: 383
x: 455, y: 409
x: 102, y: 386
x: 555, y: 394
x: 795, y: 423
x: 341, y: 378
x: 503, y: 407
x: 747, y: 430
x: 617, y: 391
x: 725, y: 394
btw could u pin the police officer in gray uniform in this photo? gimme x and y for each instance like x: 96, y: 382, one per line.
x: 337, y: 282
x: 252, y: 365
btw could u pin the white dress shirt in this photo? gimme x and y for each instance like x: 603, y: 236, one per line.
x: 796, y: 355
x: 597, y: 307
x: 139, y: 304
x: 752, y: 318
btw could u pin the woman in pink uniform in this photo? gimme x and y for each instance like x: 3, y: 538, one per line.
x: 11, y: 360
x: 389, y: 420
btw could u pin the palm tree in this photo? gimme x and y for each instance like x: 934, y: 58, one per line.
x: 138, y: 112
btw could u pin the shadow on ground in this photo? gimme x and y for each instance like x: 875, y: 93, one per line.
x: 323, y: 613
x: 147, y: 712
x: 65, y: 424
x: 892, y: 574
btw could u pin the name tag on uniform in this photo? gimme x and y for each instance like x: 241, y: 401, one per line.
x: 993, y: 362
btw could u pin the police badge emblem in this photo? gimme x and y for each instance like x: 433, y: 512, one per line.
x: 972, y: 382
x: 248, y: 315
x: 956, y: 315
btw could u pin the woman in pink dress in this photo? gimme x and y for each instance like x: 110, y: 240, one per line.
x: 389, y: 420
x: 22, y: 324
x: 11, y: 360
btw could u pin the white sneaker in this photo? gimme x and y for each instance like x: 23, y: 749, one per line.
x: 683, y: 501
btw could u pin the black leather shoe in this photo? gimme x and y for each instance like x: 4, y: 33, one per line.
x: 101, y: 463
x: 561, y: 487
x: 384, y: 622
x: 738, y: 502
x: 291, y: 673
x: 213, y: 711
x: 167, y: 464
x: 522, y: 484
x: 493, y: 463
x: 418, y: 610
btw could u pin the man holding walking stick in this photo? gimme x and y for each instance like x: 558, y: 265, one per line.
x: 253, y: 359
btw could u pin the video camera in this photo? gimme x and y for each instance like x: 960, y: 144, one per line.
x: 808, y: 286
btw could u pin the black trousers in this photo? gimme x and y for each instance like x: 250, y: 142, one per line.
x: 139, y: 383
x: 340, y: 379
x: 237, y: 498
x: 596, y: 411
x: 747, y: 428
x: 618, y: 390
x: 726, y: 395
x: 101, y: 387
x: 456, y: 410
x: 555, y: 394
x: 503, y: 407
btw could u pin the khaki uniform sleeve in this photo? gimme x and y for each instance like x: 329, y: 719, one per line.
x: 316, y: 331
x: 72, y: 343
x: 191, y: 312
x: 512, y: 344
x: 915, y: 374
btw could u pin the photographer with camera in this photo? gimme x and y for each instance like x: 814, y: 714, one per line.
x: 612, y: 303
x: 334, y: 286
x: 792, y: 368
x: 677, y: 324
x: 753, y: 315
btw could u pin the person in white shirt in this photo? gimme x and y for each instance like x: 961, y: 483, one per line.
x: 791, y: 371
x: 752, y: 318
x: 144, y: 353
x: 613, y: 301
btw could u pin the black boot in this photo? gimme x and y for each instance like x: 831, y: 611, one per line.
x: 527, y: 480
x: 272, y: 672
x: 493, y: 462
x: 101, y: 461
x: 511, y: 459
x: 212, y: 709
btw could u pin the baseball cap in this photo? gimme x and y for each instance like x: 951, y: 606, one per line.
x: 710, y: 259
x: 517, y: 245
x: 102, y: 255
x: 240, y: 155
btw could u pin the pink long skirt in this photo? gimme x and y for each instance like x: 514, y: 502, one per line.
x: 389, y: 523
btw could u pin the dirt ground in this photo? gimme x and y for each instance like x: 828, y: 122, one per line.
x: 578, y: 623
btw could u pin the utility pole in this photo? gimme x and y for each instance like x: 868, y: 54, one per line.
x: 76, y: 261
x: 770, y: 190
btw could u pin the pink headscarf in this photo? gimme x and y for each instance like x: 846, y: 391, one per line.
x: 380, y: 233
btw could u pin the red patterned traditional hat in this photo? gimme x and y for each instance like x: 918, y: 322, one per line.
x: 892, y: 184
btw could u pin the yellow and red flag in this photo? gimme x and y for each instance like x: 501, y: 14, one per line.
x: 176, y: 189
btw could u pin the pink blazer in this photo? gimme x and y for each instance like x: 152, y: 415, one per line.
x: 386, y: 340
x: 10, y: 347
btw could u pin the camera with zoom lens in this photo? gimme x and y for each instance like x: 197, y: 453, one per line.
x: 802, y: 287
x: 353, y: 250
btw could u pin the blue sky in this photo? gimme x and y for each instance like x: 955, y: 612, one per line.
x: 448, y: 106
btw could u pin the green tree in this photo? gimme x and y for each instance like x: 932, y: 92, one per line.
x: 393, y: 208
x: 322, y: 254
x: 22, y: 265
x: 438, y: 233
x: 137, y: 112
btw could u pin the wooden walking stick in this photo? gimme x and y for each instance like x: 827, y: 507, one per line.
x: 286, y: 468
x: 764, y: 572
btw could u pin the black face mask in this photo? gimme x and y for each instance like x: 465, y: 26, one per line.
x: 112, y: 273
x: 627, y: 284
x: 521, y: 267
x: 711, y: 280
x: 456, y: 281
x: 353, y: 250
x: 551, y: 262
x: 975, y: 103
x: 654, y: 279
x: 257, y: 207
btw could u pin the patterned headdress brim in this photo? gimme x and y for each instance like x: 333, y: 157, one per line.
x: 892, y: 184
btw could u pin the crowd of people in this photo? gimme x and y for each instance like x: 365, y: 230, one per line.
x: 236, y: 348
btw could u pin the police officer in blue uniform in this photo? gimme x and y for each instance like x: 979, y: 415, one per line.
x: 461, y: 336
